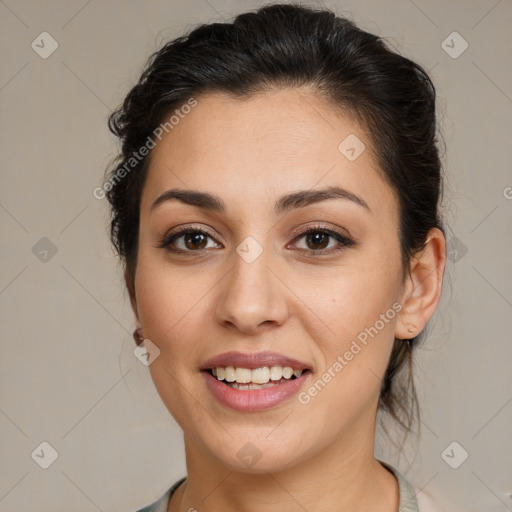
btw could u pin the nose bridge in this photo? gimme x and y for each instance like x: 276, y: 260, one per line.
x: 251, y: 295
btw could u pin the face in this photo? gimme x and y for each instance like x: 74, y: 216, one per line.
x: 269, y: 274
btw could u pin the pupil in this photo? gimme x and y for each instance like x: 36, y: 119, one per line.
x: 195, y: 241
x: 318, y: 239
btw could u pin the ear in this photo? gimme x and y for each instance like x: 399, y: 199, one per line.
x: 423, y: 286
x: 130, y: 286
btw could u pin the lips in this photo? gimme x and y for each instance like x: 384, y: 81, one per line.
x: 246, y: 397
x: 253, y: 360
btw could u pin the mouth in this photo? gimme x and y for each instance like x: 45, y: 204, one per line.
x: 254, y: 389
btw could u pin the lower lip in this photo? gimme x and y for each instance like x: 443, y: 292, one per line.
x: 253, y: 399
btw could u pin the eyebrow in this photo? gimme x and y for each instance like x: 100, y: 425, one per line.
x: 284, y: 204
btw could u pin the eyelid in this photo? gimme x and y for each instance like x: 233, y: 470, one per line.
x: 192, y: 227
x: 324, y: 227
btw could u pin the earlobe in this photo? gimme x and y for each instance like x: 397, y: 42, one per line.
x: 423, y: 286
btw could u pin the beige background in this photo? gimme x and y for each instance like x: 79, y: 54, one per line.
x: 68, y: 373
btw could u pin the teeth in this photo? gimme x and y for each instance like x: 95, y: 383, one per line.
x: 229, y: 374
x: 242, y: 375
x: 260, y: 376
x: 276, y: 373
x: 287, y: 372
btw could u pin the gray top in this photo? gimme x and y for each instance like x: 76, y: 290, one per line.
x: 408, y: 502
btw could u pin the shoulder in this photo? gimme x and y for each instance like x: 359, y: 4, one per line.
x: 428, y: 503
x: 408, y: 501
x: 163, y: 502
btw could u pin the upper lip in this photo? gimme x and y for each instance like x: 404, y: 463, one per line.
x: 253, y: 360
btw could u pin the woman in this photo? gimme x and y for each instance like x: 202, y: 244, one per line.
x: 276, y: 208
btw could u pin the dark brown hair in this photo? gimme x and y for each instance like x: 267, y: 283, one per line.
x: 292, y: 45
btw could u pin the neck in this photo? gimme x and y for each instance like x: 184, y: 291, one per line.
x: 343, y: 477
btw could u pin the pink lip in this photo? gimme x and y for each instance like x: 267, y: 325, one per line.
x: 253, y: 360
x: 254, y: 399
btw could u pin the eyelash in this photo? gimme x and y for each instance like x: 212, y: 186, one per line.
x: 344, y: 242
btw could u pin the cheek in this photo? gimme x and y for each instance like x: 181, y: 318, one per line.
x: 169, y: 305
x: 354, y: 300
x: 355, y: 336
x: 169, y: 302
x: 354, y: 351
x: 166, y: 294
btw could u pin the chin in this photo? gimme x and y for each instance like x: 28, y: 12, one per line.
x: 257, y: 454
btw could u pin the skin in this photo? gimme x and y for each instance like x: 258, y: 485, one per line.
x: 305, y: 304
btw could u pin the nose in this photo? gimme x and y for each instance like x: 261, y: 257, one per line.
x: 251, y: 298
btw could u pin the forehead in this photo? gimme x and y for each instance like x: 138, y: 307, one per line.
x: 268, y: 144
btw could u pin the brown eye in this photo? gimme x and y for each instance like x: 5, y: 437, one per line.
x: 195, y: 241
x: 188, y: 240
x: 322, y: 241
x: 317, y: 240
